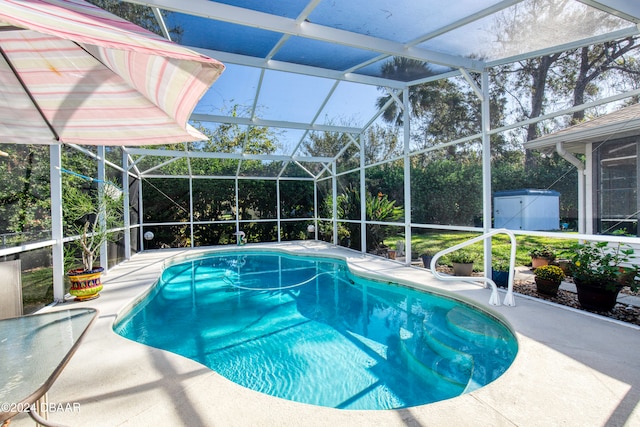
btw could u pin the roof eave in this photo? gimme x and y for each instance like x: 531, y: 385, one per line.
x: 576, y: 140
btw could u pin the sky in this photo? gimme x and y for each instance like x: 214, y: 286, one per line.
x: 290, y: 97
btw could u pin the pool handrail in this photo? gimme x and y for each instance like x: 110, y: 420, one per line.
x: 494, y: 299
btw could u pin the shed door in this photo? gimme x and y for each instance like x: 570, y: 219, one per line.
x: 507, y: 212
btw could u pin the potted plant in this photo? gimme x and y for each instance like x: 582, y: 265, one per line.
x: 90, y: 214
x: 541, y: 256
x: 462, y: 262
x: 500, y: 272
x: 599, y: 271
x: 427, y: 256
x: 548, y: 279
x: 565, y: 265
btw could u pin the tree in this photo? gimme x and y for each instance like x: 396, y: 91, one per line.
x: 597, y: 62
x: 167, y: 199
x: 140, y: 15
x: 25, y: 203
x: 419, y: 96
x: 446, y: 191
x: 562, y: 78
x: 329, y: 144
x: 381, y: 143
x: 445, y: 110
x: 570, y: 77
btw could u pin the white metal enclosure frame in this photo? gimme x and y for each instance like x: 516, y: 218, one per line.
x: 312, y: 25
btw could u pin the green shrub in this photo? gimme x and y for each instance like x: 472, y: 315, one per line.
x: 499, y: 264
x: 461, y: 257
x: 543, y: 252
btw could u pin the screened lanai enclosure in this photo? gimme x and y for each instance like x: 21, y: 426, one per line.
x: 354, y: 122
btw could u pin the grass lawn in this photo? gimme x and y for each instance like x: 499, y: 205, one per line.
x: 37, y: 289
x: 501, y: 245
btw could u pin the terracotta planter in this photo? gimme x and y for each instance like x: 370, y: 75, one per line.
x: 539, y: 262
x: 85, y: 285
x: 598, y: 297
x: 547, y: 287
x: 462, y: 269
x: 627, y: 275
x: 565, y: 265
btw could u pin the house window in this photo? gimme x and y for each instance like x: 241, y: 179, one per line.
x: 618, y: 186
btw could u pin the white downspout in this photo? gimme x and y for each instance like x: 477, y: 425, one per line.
x: 581, y: 184
x: 588, y: 188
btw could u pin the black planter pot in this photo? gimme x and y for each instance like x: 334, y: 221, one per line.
x: 546, y: 286
x: 500, y: 278
x: 597, y: 297
x: 426, y: 260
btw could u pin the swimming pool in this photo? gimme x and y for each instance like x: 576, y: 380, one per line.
x: 308, y: 330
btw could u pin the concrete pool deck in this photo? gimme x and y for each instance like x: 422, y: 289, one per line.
x: 572, y: 368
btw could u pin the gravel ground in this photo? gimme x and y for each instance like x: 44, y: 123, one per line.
x: 621, y: 312
x: 624, y: 313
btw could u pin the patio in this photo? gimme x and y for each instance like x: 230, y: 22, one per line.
x: 556, y: 379
x: 573, y: 368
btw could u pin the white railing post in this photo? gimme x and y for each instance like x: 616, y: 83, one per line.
x: 494, y: 299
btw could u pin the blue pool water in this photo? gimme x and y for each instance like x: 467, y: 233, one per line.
x: 308, y: 330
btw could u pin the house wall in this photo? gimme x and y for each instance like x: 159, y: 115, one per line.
x: 615, y: 186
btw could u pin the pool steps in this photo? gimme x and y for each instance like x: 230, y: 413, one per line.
x: 439, y: 351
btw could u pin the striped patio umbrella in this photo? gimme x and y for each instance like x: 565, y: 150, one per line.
x: 72, y: 73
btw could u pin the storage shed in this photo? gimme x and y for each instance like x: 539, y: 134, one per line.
x: 527, y: 209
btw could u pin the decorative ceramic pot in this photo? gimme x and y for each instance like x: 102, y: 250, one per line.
x: 597, y: 297
x: 85, y: 284
x: 546, y: 286
x: 462, y: 269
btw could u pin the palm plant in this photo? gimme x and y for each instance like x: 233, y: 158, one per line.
x: 380, y: 208
x: 90, y: 214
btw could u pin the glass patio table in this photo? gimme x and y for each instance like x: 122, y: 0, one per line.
x: 34, y: 349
